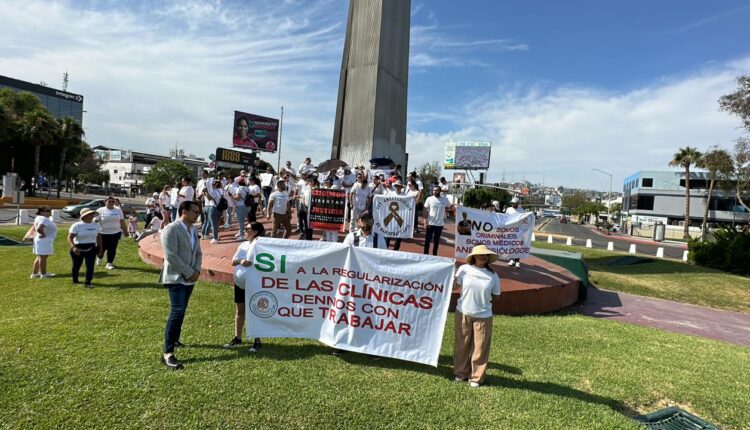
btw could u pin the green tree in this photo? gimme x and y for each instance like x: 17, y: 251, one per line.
x: 87, y: 168
x: 70, y: 136
x: 39, y: 128
x: 738, y: 103
x: 719, y: 164
x: 13, y: 145
x: 684, y: 158
x: 165, y: 172
x: 574, y: 201
x: 429, y: 173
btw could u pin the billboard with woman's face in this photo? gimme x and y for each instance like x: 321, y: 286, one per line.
x: 255, y: 132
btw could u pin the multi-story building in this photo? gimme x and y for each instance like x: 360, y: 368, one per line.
x: 652, y: 196
x: 59, y: 103
x: 127, y: 168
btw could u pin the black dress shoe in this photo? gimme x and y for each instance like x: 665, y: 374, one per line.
x: 179, y: 344
x: 172, y: 362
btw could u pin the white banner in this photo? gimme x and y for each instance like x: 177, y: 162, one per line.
x: 508, y: 235
x: 373, y: 301
x: 394, y: 216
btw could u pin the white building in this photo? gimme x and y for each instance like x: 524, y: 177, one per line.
x: 128, y: 168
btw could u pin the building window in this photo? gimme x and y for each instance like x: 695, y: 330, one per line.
x: 115, y: 171
x: 647, y: 182
x: 645, y: 203
x: 695, y: 184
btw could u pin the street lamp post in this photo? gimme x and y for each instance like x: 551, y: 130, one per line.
x: 609, y: 197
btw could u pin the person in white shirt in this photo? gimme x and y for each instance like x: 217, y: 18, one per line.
x: 364, y: 237
x: 434, y: 219
x: 153, y: 200
x: 396, y: 190
x: 84, y: 237
x: 290, y: 169
x: 413, y: 175
x: 242, y: 263
x: 112, y: 221
x: 212, y: 194
x: 514, y: 209
x: 254, y: 190
x: 359, y: 199
x: 165, y: 202
x: 201, y: 185
x: 478, y: 284
x: 278, y: 210
x: 306, y: 168
x: 186, y: 191
x: 414, y: 191
x: 151, y: 228
x: 445, y: 187
x: 44, y: 242
x: 174, y: 201
x: 229, y: 190
x: 239, y: 196
x: 376, y: 189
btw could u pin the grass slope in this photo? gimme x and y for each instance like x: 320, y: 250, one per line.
x: 77, y: 358
x: 665, y: 279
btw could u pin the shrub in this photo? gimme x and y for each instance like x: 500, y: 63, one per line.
x: 729, y: 251
x: 481, y: 197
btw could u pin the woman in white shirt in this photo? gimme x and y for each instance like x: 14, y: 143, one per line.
x: 241, y: 264
x: 84, y: 237
x: 211, y: 194
x: 415, y: 192
x: 44, y: 242
x: 473, y: 316
x: 112, y: 221
x: 254, y: 190
x: 166, y: 204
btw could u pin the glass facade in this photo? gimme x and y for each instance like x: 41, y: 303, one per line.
x: 59, y: 103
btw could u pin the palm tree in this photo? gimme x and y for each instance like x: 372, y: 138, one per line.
x: 39, y: 128
x: 684, y: 158
x: 70, y: 136
x: 720, y: 165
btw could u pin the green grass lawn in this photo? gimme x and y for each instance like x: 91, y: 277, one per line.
x: 77, y: 358
x: 665, y: 279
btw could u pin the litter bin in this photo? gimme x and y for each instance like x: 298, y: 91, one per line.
x: 659, y: 230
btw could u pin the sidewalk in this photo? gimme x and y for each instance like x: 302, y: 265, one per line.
x: 634, y: 239
x: 727, y: 326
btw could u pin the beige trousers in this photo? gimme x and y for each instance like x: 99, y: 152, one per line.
x: 471, y: 351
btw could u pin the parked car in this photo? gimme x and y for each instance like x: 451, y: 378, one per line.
x: 75, y: 210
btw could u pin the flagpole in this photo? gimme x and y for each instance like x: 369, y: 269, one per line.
x: 281, y: 124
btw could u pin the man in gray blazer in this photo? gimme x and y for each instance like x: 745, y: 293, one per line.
x: 181, y: 270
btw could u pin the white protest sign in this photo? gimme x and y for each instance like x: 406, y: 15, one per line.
x: 394, y: 216
x: 373, y: 301
x: 265, y: 179
x: 508, y: 235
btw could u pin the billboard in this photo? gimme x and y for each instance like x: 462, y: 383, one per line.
x: 467, y: 155
x: 255, y: 132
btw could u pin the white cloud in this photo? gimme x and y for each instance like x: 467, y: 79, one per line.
x: 560, y: 134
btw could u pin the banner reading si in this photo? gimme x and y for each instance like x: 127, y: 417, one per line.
x: 373, y: 301
x: 508, y: 235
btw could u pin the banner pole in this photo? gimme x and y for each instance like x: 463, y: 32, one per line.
x: 281, y: 125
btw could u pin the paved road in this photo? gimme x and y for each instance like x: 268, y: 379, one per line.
x: 7, y: 215
x: 620, y: 242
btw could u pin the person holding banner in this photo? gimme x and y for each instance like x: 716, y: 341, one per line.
x: 514, y: 209
x: 364, y: 237
x: 478, y: 284
x: 241, y: 264
x: 434, y: 219
x: 415, y: 192
x: 359, y: 199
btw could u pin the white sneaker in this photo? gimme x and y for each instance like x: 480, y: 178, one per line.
x: 518, y: 264
x: 109, y: 266
x: 35, y: 275
x: 46, y: 275
x: 473, y: 384
x: 214, y: 241
x: 511, y: 263
x: 98, y: 261
x: 237, y: 235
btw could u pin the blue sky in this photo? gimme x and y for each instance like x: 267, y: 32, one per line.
x: 559, y: 88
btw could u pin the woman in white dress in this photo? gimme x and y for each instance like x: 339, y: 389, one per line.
x: 44, y: 242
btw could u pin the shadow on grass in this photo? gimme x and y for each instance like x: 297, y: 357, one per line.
x: 559, y: 390
x: 102, y: 282
x: 599, y: 304
x: 656, y: 266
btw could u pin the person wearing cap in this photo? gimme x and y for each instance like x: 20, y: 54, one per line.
x: 44, y: 242
x: 306, y: 168
x: 241, y: 265
x: 84, y: 237
x: 477, y: 284
x: 514, y: 209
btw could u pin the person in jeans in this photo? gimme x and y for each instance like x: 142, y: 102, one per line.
x: 241, y: 264
x: 211, y: 195
x: 434, y: 210
x: 180, y: 272
x: 278, y: 210
x: 478, y: 284
x: 254, y: 190
x: 240, y: 192
x: 84, y: 237
x: 112, y: 221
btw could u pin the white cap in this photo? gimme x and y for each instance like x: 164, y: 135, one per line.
x: 514, y: 200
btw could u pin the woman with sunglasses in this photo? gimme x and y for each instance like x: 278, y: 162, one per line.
x: 112, y: 221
